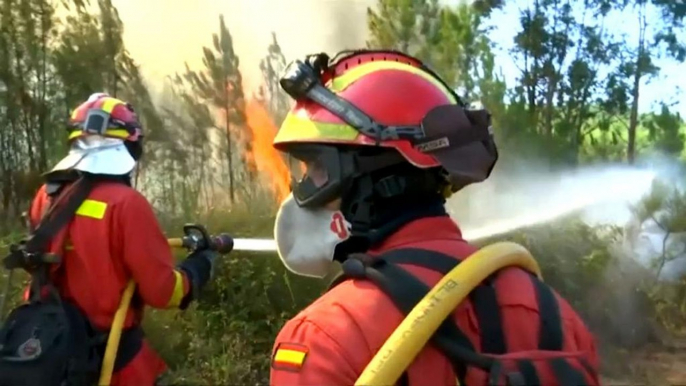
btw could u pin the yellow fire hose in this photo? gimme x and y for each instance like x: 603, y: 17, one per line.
x: 416, y: 329
x: 118, y: 323
x: 115, y: 335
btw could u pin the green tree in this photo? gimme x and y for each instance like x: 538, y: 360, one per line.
x: 561, y: 51
x: 272, y: 67
x: 27, y: 110
x: 405, y: 25
x: 664, y: 207
x: 665, y: 131
x: 220, y: 84
x: 661, y: 32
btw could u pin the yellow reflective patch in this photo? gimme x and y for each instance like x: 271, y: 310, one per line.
x: 297, y: 128
x: 177, y: 293
x: 93, y: 209
x: 68, y: 247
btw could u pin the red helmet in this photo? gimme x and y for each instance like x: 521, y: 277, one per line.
x: 105, y: 116
x: 105, y: 137
x: 389, y: 100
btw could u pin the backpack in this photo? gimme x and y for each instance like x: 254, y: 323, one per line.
x: 492, y: 364
x: 48, y: 340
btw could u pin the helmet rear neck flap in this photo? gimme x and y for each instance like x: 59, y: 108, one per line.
x: 376, y: 195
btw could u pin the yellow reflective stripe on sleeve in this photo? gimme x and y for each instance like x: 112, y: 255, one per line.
x: 93, y: 209
x: 177, y: 293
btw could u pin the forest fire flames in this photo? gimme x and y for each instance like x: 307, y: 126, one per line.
x: 266, y: 159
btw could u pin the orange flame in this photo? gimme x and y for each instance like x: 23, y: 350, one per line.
x: 266, y: 159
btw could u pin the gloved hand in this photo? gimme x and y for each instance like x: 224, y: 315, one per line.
x: 199, y: 268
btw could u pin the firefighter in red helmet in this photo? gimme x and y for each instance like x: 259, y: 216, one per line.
x: 115, y: 237
x: 383, y: 142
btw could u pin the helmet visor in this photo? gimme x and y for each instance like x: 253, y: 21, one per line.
x: 325, y: 172
x: 318, y: 176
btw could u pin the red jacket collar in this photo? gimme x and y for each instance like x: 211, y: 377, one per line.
x: 423, y: 229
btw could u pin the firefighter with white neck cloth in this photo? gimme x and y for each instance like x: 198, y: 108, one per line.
x: 384, y: 142
x: 112, y: 239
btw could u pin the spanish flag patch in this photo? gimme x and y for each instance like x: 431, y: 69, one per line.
x: 289, y: 357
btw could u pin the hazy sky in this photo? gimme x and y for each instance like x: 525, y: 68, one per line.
x: 162, y: 34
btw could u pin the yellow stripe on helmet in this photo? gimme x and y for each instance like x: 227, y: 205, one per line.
x: 342, y: 82
x: 75, y: 113
x: 297, y: 128
x: 114, y: 133
x: 110, y: 103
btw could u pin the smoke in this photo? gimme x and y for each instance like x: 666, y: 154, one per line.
x: 163, y: 34
x: 647, y: 241
x: 598, y: 195
x: 602, y: 194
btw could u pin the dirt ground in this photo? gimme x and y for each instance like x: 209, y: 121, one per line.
x: 656, y: 366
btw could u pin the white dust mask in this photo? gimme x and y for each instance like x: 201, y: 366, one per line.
x: 307, y: 238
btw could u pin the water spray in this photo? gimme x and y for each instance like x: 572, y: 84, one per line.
x: 599, y: 188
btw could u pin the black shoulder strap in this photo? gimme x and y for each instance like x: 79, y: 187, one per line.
x: 405, y: 290
x: 483, y: 297
x: 550, y: 322
x: 59, y: 215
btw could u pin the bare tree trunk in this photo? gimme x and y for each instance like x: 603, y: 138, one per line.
x: 229, y: 143
x: 635, y: 92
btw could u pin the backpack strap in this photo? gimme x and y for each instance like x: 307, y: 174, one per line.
x: 405, y: 290
x: 30, y: 254
x: 550, y: 327
x: 483, y: 297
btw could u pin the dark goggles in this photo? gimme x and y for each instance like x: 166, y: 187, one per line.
x: 326, y: 171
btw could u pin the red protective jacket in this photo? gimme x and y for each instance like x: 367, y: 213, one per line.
x: 332, y: 341
x: 115, y: 237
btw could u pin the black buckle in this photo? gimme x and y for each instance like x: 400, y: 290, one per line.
x: 390, y: 186
x: 19, y: 257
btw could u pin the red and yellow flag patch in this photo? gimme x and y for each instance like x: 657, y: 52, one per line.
x: 289, y: 357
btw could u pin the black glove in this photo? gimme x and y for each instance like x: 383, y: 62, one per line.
x: 199, y: 268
